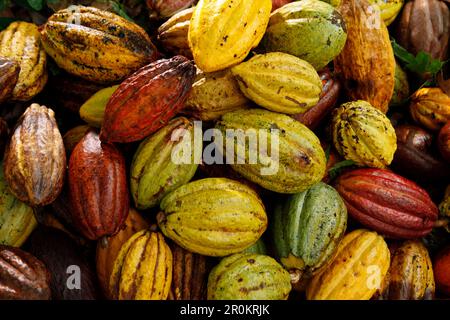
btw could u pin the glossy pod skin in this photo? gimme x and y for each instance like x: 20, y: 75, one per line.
x: 444, y: 141
x: 430, y: 108
x: 9, y: 74
x: 441, y: 266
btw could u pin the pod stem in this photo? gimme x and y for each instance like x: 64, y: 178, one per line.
x: 104, y: 242
x: 296, y: 275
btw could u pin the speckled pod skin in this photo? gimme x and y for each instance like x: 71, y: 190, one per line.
x: 9, y: 74
x: 430, y: 107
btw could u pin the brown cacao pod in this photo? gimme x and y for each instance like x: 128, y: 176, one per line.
x: 73, y: 136
x: 430, y: 107
x: 442, y: 271
x: 387, y: 203
x: 35, y: 160
x: 279, y: 3
x: 98, y: 187
x: 444, y: 141
x: 147, y: 100
x: 167, y: 8
x: 9, y: 74
x: 4, y: 135
x: 424, y: 26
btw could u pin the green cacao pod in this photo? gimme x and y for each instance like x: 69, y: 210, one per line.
x: 248, y: 276
x: 279, y: 82
x: 297, y: 160
x: 154, y: 173
x: 401, y: 87
x: 258, y: 248
x: 363, y: 134
x: 308, y: 227
x: 310, y: 29
x: 93, y: 110
x: 213, y: 216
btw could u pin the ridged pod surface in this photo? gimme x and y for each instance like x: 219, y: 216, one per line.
x: 363, y: 134
x: 430, y: 107
x: 401, y: 87
x: 222, y: 32
x: 21, y: 42
x: 361, y: 263
x: 73, y: 136
x: 248, y: 276
x: 298, y: 161
x: 93, y: 110
x: 9, y: 74
x: 213, y: 217
x: 143, y: 268
x: 279, y: 82
x: 167, y: 8
x: 387, y: 203
x: 95, y: 44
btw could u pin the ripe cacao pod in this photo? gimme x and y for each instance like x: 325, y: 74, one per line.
x: 424, y: 26
x: 279, y: 82
x: 22, y: 276
x: 247, y: 276
x: 73, y: 136
x: 444, y: 141
x: 4, y: 135
x: 9, y: 74
x: 363, y: 134
x: 222, y: 33
x: 279, y: 3
x: 389, y: 9
x: 401, y: 87
x: 360, y: 255
x: 307, y: 228
x: 147, y: 100
x: 367, y: 63
x: 310, y: 29
x: 21, y: 42
x: 98, y: 187
x: 387, y: 203
x: 154, y: 170
x: 213, y: 216
x: 167, y: 8
x: 214, y: 94
x: 107, y: 251
x: 442, y: 271
x: 93, y: 110
x: 297, y: 160
x: 143, y: 268
x: 430, y: 107
x: 35, y: 160
x: 96, y: 45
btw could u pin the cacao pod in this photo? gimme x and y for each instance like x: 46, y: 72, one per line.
x: 389, y: 9
x: 22, y: 276
x: 167, y: 8
x: 442, y: 271
x: 222, y: 33
x: 100, y: 46
x: 310, y: 29
x: 21, y: 42
x: 387, y: 203
x: 349, y: 275
x: 259, y: 247
x: 143, y: 268
x: 213, y: 217
x: 4, y: 135
x: 401, y: 87
x: 98, y: 187
x: 430, y: 107
x: 444, y: 141
x: 35, y: 160
x: 363, y: 134
x: 297, y: 159
x: 9, y: 75
x: 147, y: 100
x: 279, y: 3
x: 279, y: 82
x: 93, y: 110
x: 73, y: 136
x: 424, y: 26
x: 248, y: 276
x: 155, y: 172
x: 367, y: 63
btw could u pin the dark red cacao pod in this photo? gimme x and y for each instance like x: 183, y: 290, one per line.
x: 414, y: 157
x: 441, y: 268
x: 444, y: 141
x: 328, y: 98
x: 22, y: 276
x: 279, y: 3
x: 147, y: 100
x: 387, y: 203
x: 98, y: 187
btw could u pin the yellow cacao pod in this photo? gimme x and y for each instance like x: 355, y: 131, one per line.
x: 363, y: 134
x: 21, y: 42
x: 93, y: 110
x: 213, y: 217
x: 222, y: 32
x: 357, y: 271
x: 430, y: 107
x: 142, y: 269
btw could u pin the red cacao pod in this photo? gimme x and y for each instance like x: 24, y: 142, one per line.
x: 441, y: 268
x: 444, y: 141
x: 22, y: 276
x: 98, y: 187
x: 279, y: 3
x: 147, y: 100
x: 387, y: 203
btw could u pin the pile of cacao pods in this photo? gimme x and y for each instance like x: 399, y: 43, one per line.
x: 95, y: 106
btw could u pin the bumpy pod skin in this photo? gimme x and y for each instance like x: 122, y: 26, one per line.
x: 361, y: 263
x: 9, y: 75
x: 35, y: 160
x: 430, y: 107
x: 363, y: 134
x: 22, y: 276
x: 387, y: 203
x: 154, y: 170
x: 98, y: 187
x: 279, y: 82
x: 96, y: 45
x: 222, y: 33
x: 297, y: 162
x: 147, y: 100
x: 247, y: 276
x: 143, y: 268
x: 213, y: 217
x: 21, y: 42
